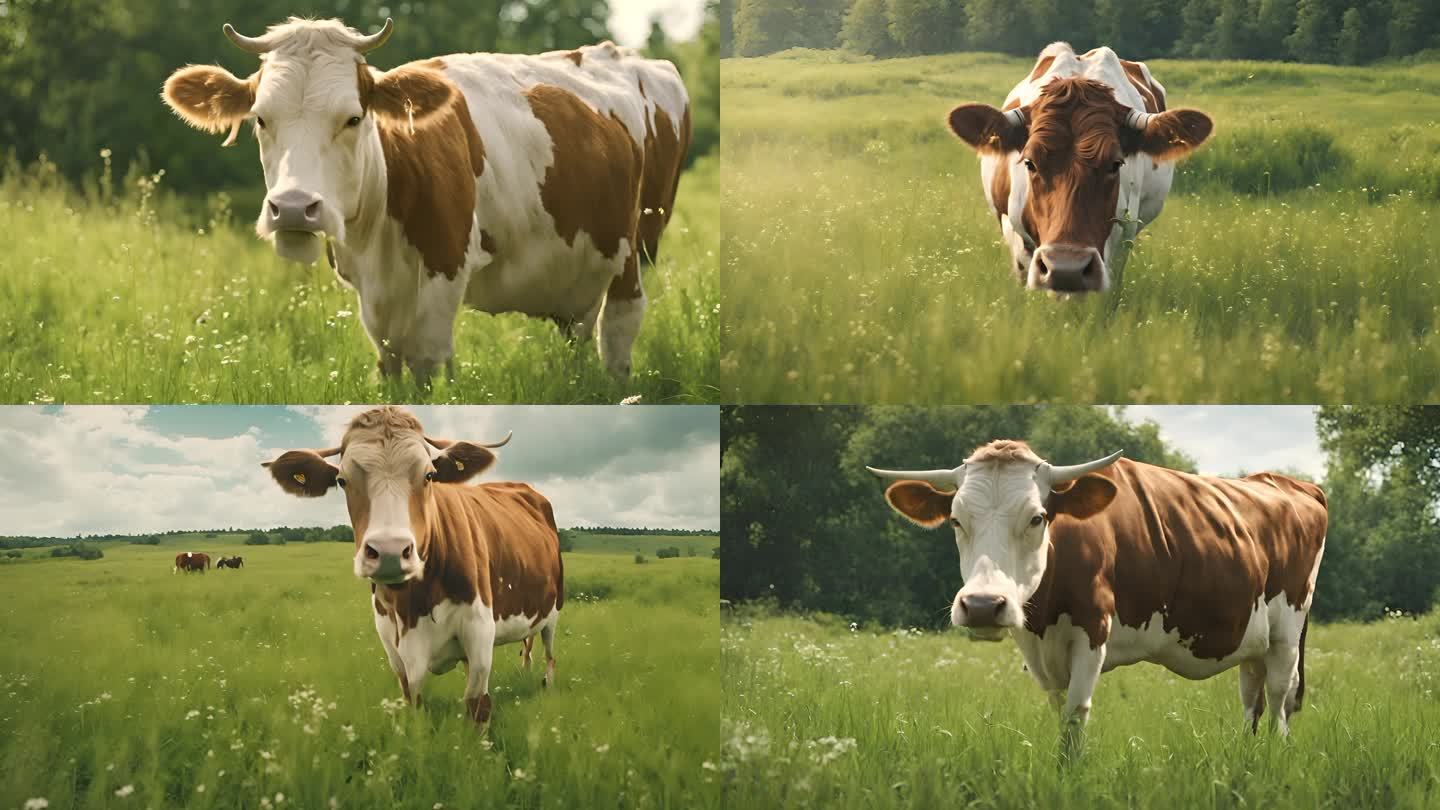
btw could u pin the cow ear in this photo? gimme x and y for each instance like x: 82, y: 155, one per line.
x: 408, y: 96
x: 461, y: 461
x: 1083, y: 498
x: 209, y: 98
x: 920, y: 503
x: 987, y: 129
x: 303, y: 473
x: 1173, y: 134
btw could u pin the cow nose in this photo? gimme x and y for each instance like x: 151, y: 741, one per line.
x: 294, y: 210
x: 387, y: 558
x: 1064, y: 268
x: 982, y: 610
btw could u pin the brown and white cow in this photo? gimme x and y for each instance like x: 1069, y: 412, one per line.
x: 455, y: 569
x: 189, y: 561
x: 1114, y: 562
x: 1076, y: 162
x: 508, y: 183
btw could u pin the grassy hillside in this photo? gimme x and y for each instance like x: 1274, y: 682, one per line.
x: 128, y: 297
x: 226, y: 689
x: 1294, y: 260
x: 819, y: 715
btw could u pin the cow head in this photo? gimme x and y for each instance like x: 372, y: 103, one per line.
x: 1072, y: 157
x: 1000, y: 503
x: 315, y: 105
x: 388, y: 468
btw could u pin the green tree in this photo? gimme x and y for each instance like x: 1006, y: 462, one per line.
x: 996, y: 25
x: 925, y: 26
x: 1317, y: 23
x: 866, y: 29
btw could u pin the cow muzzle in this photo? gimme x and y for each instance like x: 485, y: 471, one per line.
x: 986, y: 615
x: 388, y: 560
x: 1067, y: 269
x: 296, y: 218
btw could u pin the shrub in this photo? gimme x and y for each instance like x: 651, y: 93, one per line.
x: 640, y: 559
x: 1265, y: 161
x: 151, y: 540
x: 15, y: 553
x: 84, y: 551
x: 257, y: 539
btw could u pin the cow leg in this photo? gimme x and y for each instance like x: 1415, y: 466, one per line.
x: 620, y: 318
x: 478, y: 641
x: 378, y: 327
x: 1252, y: 692
x: 432, y: 341
x: 525, y: 648
x: 1085, y: 666
x: 547, y: 635
x: 1281, y: 679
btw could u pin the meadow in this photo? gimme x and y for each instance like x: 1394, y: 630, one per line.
x: 820, y: 714
x: 121, y: 292
x: 124, y: 685
x: 1294, y: 261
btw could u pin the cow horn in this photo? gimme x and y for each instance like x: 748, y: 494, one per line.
x: 940, y: 479
x: 1138, y: 119
x: 375, y: 40
x: 1016, y: 117
x: 502, y: 442
x: 255, y: 45
x: 1060, y: 475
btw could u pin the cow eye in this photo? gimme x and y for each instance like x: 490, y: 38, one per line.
x: 955, y: 522
x: 340, y: 481
x: 1115, y: 167
x: 353, y: 122
x: 1035, y: 521
x: 1030, y: 165
x: 429, y: 476
x: 259, y: 122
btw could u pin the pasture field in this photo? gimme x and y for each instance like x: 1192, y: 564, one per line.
x: 124, y: 294
x: 122, y: 685
x: 1294, y: 261
x: 647, y: 544
x: 817, y: 714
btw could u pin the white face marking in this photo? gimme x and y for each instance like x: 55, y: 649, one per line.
x: 1001, y: 533
x: 381, y: 480
x: 306, y: 101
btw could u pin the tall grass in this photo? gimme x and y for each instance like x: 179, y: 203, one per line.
x: 820, y: 715
x: 1294, y: 261
x: 121, y: 293
x: 225, y: 689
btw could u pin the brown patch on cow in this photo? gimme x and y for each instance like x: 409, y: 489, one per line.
x: 487, y: 242
x: 1153, y: 95
x: 665, y: 148
x: 1010, y: 105
x: 576, y: 57
x: 1198, y: 550
x: 593, y: 183
x: 210, y: 98
x: 479, y: 709
x: 433, y: 153
x: 1041, y: 65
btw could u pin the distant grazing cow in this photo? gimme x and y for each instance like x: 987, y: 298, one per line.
x: 1113, y: 562
x: 454, y: 569
x: 1076, y: 162
x: 508, y: 183
x: 230, y: 562
x: 190, y: 561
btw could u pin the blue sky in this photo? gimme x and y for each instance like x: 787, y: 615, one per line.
x: 1226, y: 439
x: 124, y: 469
x: 630, y: 19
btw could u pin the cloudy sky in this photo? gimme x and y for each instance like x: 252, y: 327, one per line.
x: 630, y: 19
x: 1224, y: 439
x: 118, y: 469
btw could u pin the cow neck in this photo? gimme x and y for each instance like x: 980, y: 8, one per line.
x: 373, y: 190
x: 447, y: 574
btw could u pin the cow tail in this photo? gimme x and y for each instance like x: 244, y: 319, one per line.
x: 559, y: 558
x: 1300, y: 690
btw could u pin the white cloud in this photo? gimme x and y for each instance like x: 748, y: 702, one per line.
x: 1226, y: 439
x: 109, y: 469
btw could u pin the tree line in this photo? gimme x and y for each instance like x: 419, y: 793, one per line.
x: 804, y: 527
x: 1350, y: 32
x: 81, y: 76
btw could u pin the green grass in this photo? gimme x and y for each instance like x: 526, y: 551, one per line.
x: 818, y: 715
x: 270, y: 680
x: 1294, y: 260
x: 138, y: 297
x: 646, y: 544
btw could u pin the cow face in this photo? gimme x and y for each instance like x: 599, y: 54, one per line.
x: 315, y: 107
x: 1003, y: 502
x: 1071, y: 161
x: 388, y: 469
